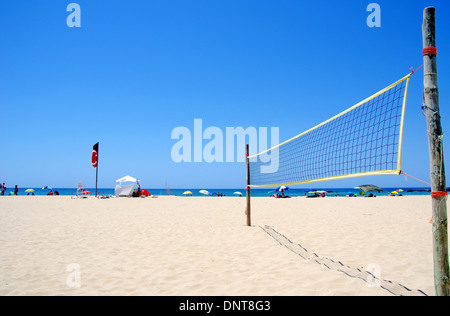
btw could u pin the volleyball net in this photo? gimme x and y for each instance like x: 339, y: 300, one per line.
x: 364, y: 140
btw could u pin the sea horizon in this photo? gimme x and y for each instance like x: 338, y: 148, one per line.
x: 256, y: 192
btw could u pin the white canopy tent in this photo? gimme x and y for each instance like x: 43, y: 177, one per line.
x: 125, y: 186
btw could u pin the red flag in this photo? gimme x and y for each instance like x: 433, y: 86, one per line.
x: 95, y: 156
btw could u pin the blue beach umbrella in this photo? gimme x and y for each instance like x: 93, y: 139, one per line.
x: 285, y: 188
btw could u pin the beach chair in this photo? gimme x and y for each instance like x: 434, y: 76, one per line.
x: 80, y: 188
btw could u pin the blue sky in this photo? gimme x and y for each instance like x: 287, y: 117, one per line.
x: 136, y: 70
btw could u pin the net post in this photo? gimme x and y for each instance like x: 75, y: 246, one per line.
x: 434, y: 128
x: 248, y: 211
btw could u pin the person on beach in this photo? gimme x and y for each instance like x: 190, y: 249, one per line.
x: 3, y: 188
x: 16, y: 190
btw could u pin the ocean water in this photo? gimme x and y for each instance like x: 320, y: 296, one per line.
x: 230, y: 192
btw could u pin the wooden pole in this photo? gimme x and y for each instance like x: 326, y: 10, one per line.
x: 437, y: 170
x: 248, y: 212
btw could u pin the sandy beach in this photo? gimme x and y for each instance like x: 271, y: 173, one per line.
x: 201, y: 246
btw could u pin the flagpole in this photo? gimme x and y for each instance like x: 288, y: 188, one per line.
x: 95, y: 165
x: 96, y: 180
x: 96, y: 172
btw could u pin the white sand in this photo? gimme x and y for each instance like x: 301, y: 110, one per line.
x: 201, y: 246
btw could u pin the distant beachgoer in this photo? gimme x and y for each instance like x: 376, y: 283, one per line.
x: 56, y: 193
x: 3, y: 188
x: 50, y: 193
x: 16, y: 190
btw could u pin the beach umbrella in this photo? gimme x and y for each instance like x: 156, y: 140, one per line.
x: 29, y: 190
x: 394, y: 192
x: 237, y: 193
x: 369, y: 187
x: 204, y: 192
x: 47, y: 188
x: 86, y: 192
x: 285, y: 188
x: 187, y: 193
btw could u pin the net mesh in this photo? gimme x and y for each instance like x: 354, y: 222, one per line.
x: 363, y: 140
